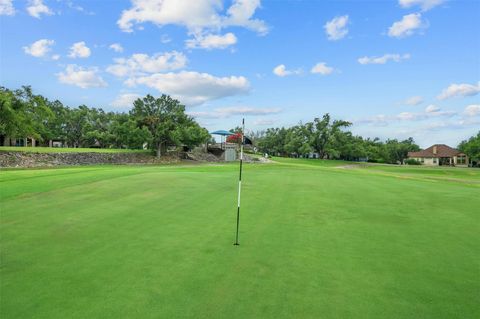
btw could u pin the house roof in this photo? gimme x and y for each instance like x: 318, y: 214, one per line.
x: 442, y: 150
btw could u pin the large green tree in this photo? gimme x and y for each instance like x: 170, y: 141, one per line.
x: 167, y: 122
x: 23, y: 114
x: 127, y: 134
x: 394, y: 151
x: 323, y: 133
x: 297, y: 141
x: 471, y: 147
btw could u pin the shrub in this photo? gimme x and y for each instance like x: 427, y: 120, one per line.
x: 235, y: 138
x: 412, y: 161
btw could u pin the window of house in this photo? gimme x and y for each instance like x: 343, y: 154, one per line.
x: 461, y: 160
x: 422, y: 160
x: 434, y: 160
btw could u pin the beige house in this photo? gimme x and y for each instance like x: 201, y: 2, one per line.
x: 440, y: 154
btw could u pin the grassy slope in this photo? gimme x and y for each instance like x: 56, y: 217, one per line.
x: 67, y: 150
x: 316, y: 241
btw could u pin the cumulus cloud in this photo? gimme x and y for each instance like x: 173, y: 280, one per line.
x: 125, y: 100
x: 140, y: 63
x: 459, y: 90
x: 472, y: 110
x: 211, y: 41
x: 194, y: 15
x: 383, y: 59
x: 227, y: 112
x: 117, y: 47
x: 193, y: 88
x: 40, y: 48
x: 36, y: 8
x: 79, y: 50
x: 322, y: 68
x: 414, y: 100
x: 336, y: 28
x: 6, y: 8
x: 424, y: 4
x: 281, y: 70
x: 81, y: 77
x: 409, y: 24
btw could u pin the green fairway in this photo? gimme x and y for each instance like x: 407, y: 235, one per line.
x: 68, y: 150
x: 318, y: 239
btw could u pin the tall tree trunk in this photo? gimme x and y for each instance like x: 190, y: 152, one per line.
x: 159, y: 150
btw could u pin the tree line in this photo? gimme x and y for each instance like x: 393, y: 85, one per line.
x: 328, y: 138
x: 153, y: 122
x: 157, y: 123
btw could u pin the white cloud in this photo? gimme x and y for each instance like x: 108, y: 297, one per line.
x: 227, y: 112
x: 472, y: 110
x: 240, y: 14
x: 281, y: 70
x: 424, y: 4
x: 383, y: 59
x: 6, y: 8
x: 246, y: 110
x: 81, y: 77
x: 211, y: 41
x: 455, y: 90
x: 125, y: 100
x: 414, y: 100
x: 262, y: 122
x: 78, y: 8
x: 322, y: 68
x: 40, y: 48
x: 407, y: 116
x: 407, y: 26
x: 430, y: 112
x: 79, y: 50
x: 140, y: 63
x: 336, y: 28
x: 165, y: 39
x: 117, y: 47
x: 56, y: 57
x: 195, y: 15
x: 193, y: 88
x: 36, y: 8
x: 432, y: 109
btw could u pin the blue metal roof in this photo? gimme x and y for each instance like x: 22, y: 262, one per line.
x: 222, y: 132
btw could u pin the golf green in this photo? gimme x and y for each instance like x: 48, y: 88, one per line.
x: 317, y: 240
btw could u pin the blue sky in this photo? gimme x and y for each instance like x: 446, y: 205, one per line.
x: 395, y: 68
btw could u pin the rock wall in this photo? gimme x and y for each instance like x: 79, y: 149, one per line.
x: 31, y: 159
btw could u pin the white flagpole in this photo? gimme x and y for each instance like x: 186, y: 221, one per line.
x: 240, y: 181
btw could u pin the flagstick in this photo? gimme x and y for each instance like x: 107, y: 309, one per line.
x: 240, y: 181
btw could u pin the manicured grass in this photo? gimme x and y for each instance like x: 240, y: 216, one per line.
x: 314, y: 162
x: 317, y: 241
x: 67, y: 150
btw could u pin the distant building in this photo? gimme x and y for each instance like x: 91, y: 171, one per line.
x: 440, y: 154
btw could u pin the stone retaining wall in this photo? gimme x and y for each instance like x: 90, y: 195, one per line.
x: 31, y: 159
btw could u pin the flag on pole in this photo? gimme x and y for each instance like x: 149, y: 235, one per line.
x: 240, y: 182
